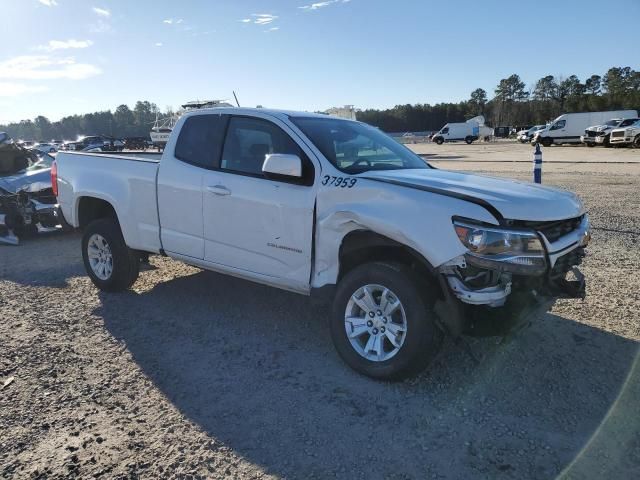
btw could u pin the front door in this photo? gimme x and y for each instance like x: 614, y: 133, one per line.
x: 253, y: 224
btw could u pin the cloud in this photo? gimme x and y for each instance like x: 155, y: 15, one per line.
x: 263, y: 18
x: 260, y: 19
x: 44, y: 67
x: 168, y: 21
x: 171, y: 21
x: 15, y: 89
x: 64, y: 45
x: 318, y: 5
x: 103, y: 12
x: 158, y: 44
x: 272, y: 29
x: 49, y: 3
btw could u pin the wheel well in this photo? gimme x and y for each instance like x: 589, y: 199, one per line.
x: 91, y: 209
x: 363, y: 246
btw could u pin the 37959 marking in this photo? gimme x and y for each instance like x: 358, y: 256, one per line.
x: 342, y: 182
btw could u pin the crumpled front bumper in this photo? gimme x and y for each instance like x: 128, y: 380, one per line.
x: 513, y: 295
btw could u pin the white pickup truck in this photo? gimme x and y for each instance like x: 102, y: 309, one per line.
x: 315, y: 204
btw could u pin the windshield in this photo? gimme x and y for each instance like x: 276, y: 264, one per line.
x: 612, y: 123
x: 355, y: 147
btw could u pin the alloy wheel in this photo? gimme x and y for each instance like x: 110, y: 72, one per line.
x: 375, y: 323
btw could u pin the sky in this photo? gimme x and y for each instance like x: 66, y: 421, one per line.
x: 61, y: 57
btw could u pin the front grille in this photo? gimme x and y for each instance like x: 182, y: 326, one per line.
x: 590, y: 133
x: 617, y: 134
x: 555, y: 229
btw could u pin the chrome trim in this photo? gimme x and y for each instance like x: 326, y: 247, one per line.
x: 494, y: 296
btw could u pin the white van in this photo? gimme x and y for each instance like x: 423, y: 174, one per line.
x: 469, y: 131
x: 569, y: 127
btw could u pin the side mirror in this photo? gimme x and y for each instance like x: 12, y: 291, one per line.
x: 282, y: 165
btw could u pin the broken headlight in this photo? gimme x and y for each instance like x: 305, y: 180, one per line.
x: 516, y: 251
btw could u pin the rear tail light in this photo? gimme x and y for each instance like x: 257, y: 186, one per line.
x: 54, y: 178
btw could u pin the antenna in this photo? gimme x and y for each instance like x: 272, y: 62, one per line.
x: 236, y: 97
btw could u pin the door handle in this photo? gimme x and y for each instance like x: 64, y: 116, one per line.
x: 219, y: 189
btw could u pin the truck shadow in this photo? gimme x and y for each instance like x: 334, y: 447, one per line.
x: 254, y: 367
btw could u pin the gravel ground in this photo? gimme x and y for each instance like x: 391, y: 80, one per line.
x: 196, y: 374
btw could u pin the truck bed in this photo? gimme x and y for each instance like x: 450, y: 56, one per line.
x: 153, y: 157
x: 124, y: 181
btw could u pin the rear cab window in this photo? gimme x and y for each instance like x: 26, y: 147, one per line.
x: 201, y: 139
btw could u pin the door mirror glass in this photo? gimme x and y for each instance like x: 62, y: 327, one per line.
x: 282, y: 164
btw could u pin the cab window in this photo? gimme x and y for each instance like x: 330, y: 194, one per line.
x: 559, y: 124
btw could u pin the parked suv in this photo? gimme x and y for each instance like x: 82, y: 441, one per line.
x: 600, y: 134
x: 626, y: 136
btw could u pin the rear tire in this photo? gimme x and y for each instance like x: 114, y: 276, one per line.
x: 111, y: 265
x: 412, y: 349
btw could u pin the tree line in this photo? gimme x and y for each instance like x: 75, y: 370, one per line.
x: 512, y: 105
x: 123, y: 122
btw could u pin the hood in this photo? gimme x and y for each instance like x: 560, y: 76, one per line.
x: 599, y: 128
x: 28, y: 180
x: 513, y: 199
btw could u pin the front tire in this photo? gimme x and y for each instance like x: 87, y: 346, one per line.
x: 439, y: 140
x: 468, y: 140
x: 547, y: 142
x: 636, y: 142
x: 111, y: 265
x: 382, y: 324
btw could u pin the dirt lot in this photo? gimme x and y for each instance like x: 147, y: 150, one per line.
x: 196, y: 374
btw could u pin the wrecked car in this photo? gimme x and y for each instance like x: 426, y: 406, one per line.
x: 27, y: 202
x: 325, y: 206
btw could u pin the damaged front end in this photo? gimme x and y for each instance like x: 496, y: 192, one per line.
x: 512, y: 273
x: 27, y: 202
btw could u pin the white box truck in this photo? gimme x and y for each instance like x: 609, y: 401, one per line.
x: 469, y: 131
x: 569, y: 127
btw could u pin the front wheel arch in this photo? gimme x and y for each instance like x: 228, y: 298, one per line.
x: 363, y: 246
